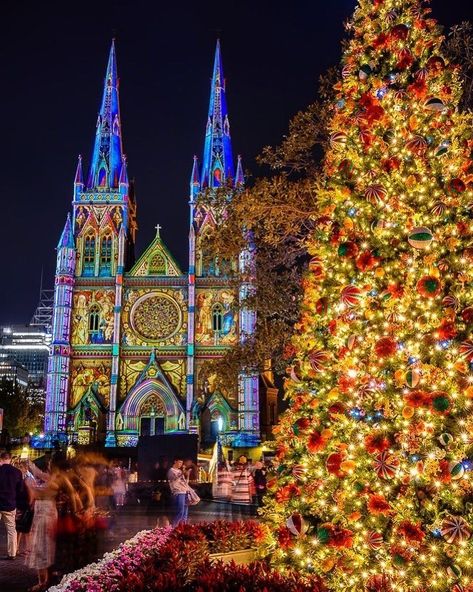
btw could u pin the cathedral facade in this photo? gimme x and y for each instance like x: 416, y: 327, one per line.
x: 130, y: 336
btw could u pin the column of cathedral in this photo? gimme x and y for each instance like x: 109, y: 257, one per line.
x: 57, y: 387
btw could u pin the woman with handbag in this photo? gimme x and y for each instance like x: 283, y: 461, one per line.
x: 182, y: 493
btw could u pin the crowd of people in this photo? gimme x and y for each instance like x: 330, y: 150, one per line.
x: 243, y: 482
x: 52, y: 515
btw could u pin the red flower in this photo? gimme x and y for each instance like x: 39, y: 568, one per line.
x: 418, y: 88
x: 447, y: 330
x: 391, y: 164
x: 316, y: 442
x: 303, y: 423
x: 378, y: 583
x: 411, y: 532
x: 285, y: 493
x: 340, y: 538
x: 377, y: 504
x: 285, y: 539
x: 445, y: 475
x: 396, y: 290
x: 380, y: 40
x: 333, y: 464
x: 377, y: 443
x: 345, y: 383
x: 418, y: 399
x: 366, y: 261
x: 385, y: 347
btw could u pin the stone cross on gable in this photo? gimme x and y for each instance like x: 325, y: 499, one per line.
x: 158, y: 228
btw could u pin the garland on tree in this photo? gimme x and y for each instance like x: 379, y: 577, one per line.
x: 374, y: 489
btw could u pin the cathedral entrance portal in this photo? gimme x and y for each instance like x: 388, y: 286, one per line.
x: 152, y: 416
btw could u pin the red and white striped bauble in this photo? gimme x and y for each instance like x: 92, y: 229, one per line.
x: 386, y: 465
x: 296, y: 524
x: 338, y: 140
x: 318, y: 359
x: 374, y: 540
x: 466, y: 350
x: 351, y: 296
x: 451, y: 302
x: 375, y: 194
x: 455, y: 529
x: 298, y: 471
x: 438, y: 209
x: 417, y: 144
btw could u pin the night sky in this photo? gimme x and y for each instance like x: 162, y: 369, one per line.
x: 52, y: 63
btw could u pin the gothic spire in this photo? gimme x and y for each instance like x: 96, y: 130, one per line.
x: 67, y: 237
x: 239, y: 176
x: 107, y: 156
x: 79, y: 178
x: 217, y: 164
x: 195, y: 179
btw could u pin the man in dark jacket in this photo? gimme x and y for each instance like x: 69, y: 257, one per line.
x: 11, y: 485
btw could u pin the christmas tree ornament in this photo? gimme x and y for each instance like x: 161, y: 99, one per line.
x: 455, y: 529
x: 445, y: 439
x: 417, y: 144
x: 385, y: 465
x: 457, y: 470
x: 297, y: 525
x: 375, y: 194
x: 434, y: 104
x: 338, y: 140
x: 420, y: 237
x: 351, y: 296
x: 429, y: 286
x: 374, y: 540
x: 364, y: 71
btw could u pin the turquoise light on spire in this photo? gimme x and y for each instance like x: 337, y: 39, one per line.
x: 217, y: 164
x: 107, y: 156
x: 67, y: 237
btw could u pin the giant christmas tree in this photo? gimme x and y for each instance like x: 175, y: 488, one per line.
x: 375, y: 483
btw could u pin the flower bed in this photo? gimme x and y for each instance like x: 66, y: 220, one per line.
x: 166, y: 560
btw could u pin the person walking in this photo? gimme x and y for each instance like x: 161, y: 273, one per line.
x: 179, y: 489
x: 242, y: 482
x: 259, y: 477
x: 11, y: 489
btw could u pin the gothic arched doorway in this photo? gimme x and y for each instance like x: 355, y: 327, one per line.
x: 152, y: 416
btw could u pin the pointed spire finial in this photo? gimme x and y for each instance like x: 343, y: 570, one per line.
x: 195, y: 179
x: 239, y: 176
x: 79, y: 178
x: 107, y: 155
x: 217, y: 164
x: 123, y: 173
x: 67, y: 237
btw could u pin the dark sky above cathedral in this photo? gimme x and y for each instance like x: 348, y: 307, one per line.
x: 52, y: 63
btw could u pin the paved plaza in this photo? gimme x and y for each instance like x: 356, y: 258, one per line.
x: 16, y: 577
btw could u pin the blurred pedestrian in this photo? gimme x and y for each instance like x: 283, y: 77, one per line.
x: 119, y: 485
x: 242, y: 482
x: 259, y: 477
x: 11, y: 489
x: 52, y: 490
x: 179, y: 489
x: 25, y: 507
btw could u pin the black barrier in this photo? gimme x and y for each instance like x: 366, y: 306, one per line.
x: 156, y: 454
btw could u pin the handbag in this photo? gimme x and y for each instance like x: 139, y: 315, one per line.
x: 192, y: 498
